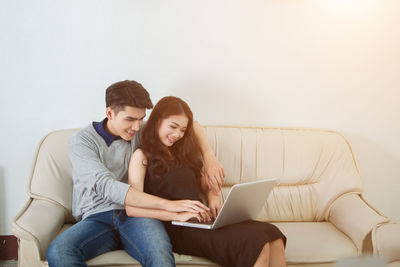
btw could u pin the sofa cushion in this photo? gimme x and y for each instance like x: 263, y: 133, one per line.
x: 307, y: 242
x: 120, y: 257
x: 314, y: 167
x: 315, y: 242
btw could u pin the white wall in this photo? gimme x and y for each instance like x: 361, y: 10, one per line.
x: 321, y: 64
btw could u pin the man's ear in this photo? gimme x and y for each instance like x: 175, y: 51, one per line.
x: 110, y: 113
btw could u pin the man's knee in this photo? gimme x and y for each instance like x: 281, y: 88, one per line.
x: 52, y: 252
x: 160, y: 254
x: 56, y: 251
x: 147, y: 240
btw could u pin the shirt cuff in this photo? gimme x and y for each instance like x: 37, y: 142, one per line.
x: 119, y: 192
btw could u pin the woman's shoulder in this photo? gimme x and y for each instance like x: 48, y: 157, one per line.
x: 138, y: 155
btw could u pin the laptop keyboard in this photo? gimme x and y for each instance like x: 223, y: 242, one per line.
x: 207, y: 223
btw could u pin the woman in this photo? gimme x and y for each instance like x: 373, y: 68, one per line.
x: 168, y: 164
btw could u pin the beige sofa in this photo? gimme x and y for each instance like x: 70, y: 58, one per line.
x: 318, y: 203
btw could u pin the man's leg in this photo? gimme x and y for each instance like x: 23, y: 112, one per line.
x: 146, y: 240
x: 84, y: 240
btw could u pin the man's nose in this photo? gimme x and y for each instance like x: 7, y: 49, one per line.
x: 136, y: 126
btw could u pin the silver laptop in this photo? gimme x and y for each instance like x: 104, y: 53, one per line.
x: 244, y: 202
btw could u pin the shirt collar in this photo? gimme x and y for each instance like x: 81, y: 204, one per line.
x: 108, y: 137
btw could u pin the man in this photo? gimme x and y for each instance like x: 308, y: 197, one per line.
x: 100, y: 155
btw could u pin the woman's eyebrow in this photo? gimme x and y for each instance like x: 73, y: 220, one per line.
x: 178, y: 124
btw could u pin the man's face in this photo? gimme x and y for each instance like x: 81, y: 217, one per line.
x: 126, y: 122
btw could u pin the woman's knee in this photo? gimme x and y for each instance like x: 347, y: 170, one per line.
x: 278, y: 244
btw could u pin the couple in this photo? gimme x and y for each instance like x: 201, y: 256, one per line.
x: 172, y: 164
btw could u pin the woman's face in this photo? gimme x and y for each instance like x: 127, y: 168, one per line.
x: 172, y: 129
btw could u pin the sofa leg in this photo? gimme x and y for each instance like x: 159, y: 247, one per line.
x: 28, y: 255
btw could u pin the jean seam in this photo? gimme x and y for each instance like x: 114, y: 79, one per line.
x: 94, y: 237
x: 122, y: 234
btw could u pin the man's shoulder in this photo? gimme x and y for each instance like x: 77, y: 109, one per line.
x: 85, y: 135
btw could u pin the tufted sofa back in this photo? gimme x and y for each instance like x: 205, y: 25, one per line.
x: 314, y: 168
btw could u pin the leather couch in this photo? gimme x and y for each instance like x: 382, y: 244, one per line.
x: 318, y: 202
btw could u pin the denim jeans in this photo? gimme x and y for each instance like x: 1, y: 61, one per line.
x: 144, y: 239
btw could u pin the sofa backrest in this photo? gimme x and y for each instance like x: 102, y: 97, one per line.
x: 314, y: 167
x: 51, y: 176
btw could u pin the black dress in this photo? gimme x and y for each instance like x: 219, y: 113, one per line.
x: 233, y: 245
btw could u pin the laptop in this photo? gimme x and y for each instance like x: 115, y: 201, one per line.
x: 244, y: 202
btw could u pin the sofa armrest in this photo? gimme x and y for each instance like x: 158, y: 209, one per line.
x: 386, y: 241
x: 39, y: 221
x: 353, y: 216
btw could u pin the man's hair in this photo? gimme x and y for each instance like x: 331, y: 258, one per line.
x: 127, y: 93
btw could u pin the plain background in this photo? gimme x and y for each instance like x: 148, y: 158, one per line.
x: 285, y: 63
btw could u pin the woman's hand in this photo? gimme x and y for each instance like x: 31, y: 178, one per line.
x: 191, y: 206
x: 186, y: 216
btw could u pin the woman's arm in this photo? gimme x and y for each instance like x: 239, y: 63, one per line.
x: 214, y: 170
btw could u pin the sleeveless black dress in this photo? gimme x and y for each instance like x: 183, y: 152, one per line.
x: 233, y: 245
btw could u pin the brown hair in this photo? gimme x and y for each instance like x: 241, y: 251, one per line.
x: 185, y: 151
x: 127, y: 93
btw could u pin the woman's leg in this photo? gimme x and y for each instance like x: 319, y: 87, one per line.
x: 277, y: 254
x: 272, y: 255
x: 263, y: 258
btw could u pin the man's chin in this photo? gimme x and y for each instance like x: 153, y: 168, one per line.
x: 128, y: 137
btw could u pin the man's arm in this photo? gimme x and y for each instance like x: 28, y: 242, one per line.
x: 214, y: 170
x: 139, y: 199
x: 90, y: 175
x: 162, y: 215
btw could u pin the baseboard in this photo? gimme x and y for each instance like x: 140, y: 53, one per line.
x: 8, y: 247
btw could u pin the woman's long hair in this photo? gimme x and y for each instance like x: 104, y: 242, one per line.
x: 185, y: 151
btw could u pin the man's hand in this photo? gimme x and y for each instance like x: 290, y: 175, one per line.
x: 214, y: 203
x: 214, y: 172
x: 191, y: 206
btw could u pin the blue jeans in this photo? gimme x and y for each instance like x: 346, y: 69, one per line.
x: 144, y: 239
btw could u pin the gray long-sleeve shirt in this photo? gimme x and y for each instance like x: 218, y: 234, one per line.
x: 99, y: 172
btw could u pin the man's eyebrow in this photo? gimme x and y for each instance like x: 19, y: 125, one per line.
x: 133, y: 118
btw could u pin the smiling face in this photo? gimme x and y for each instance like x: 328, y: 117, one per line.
x: 172, y: 129
x: 126, y: 122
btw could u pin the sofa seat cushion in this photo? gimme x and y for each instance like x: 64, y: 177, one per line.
x: 315, y: 242
x: 307, y: 242
x: 121, y: 258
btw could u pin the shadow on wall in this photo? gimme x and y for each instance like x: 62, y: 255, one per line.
x: 2, y: 202
x: 380, y: 171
